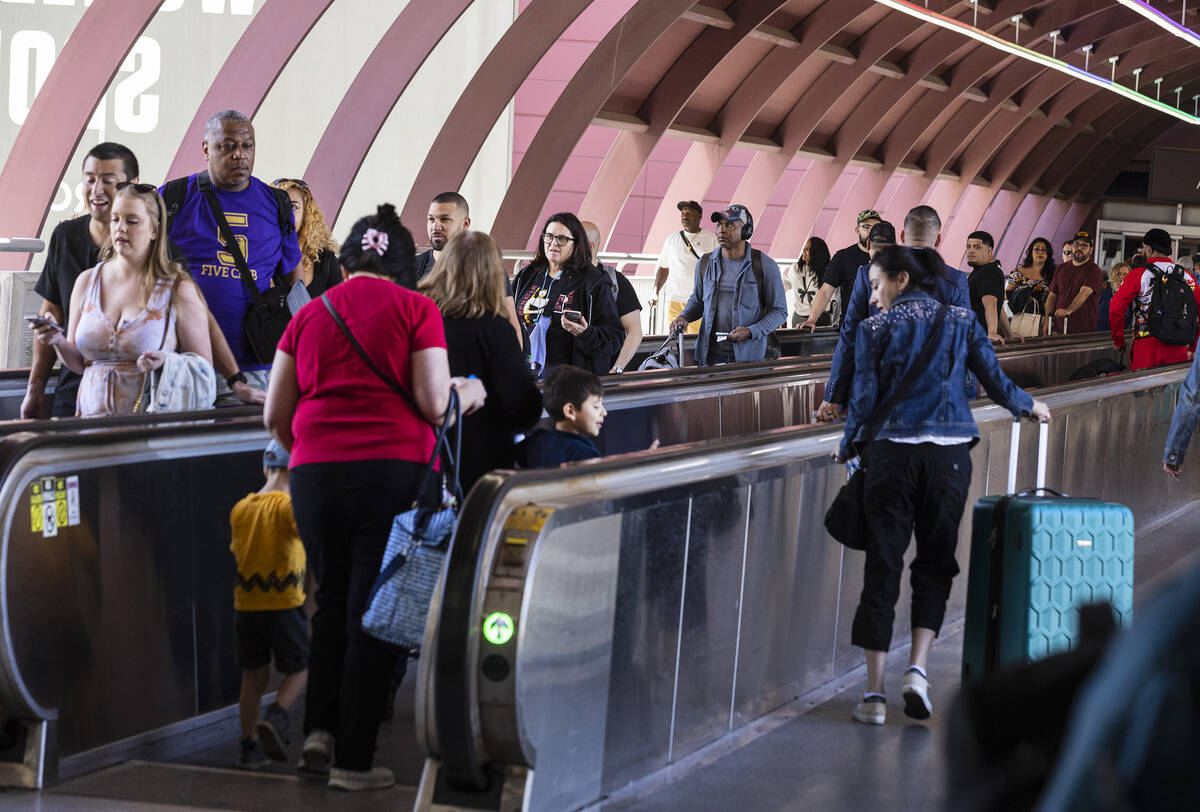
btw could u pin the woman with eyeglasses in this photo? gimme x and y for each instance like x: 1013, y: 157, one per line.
x: 130, y: 310
x: 318, y: 269
x: 565, y: 304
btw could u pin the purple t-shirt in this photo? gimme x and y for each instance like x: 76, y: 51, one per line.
x: 253, y: 217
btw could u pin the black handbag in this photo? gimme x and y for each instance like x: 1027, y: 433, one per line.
x: 270, y: 314
x: 846, y: 520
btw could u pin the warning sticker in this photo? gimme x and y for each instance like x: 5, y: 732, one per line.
x: 520, y: 528
x: 53, y: 503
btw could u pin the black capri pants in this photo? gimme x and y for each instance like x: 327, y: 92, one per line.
x: 910, y: 488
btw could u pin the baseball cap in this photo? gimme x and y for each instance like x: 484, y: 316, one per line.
x: 689, y: 204
x: 882, y: 233
x: 733, y: 213
x: 1158, y: 239
x: 275, y: 456
x: 868, y: 214
x: 1084, y: 236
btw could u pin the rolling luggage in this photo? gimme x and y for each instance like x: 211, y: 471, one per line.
x: 1036, y: 557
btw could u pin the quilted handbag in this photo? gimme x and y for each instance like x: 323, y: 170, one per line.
x: 398, y: 603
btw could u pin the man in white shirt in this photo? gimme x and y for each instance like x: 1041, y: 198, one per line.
x: 677, y: 262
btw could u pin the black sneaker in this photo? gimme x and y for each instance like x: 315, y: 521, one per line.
x: 252, y: 756
x: 272, y: 732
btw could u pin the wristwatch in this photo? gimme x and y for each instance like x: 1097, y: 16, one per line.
x: 237, y: 377
x: 617, y: 370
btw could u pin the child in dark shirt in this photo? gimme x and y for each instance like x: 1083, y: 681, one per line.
x: 574, y: 399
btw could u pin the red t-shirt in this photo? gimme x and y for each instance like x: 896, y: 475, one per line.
x: 346, y: 413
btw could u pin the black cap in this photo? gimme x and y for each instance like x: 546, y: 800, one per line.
x: 690, y: 204
x: 1083, y: 236
x: 1159, y: 240
x: 882, y: 233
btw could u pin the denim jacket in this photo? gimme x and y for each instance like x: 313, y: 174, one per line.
x: 747, y: 306
x: 936, y: 404
x: 1187, y: 412
x: 951, y: 289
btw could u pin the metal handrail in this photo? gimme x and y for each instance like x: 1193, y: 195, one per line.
x: 22, y: 245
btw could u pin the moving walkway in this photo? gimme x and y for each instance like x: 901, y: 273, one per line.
x: 117, y: 632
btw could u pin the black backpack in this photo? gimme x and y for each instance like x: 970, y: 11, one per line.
x: 174, y: 194
x: 1172, y: 317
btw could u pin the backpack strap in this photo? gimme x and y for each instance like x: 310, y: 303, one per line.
x: 174, y: 194
x: 283, y: 210
x: 757, y: 268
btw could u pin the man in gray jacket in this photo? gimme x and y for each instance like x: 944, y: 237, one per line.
x: 738, y: 295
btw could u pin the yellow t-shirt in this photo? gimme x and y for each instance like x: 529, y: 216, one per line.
x: 270, y: 556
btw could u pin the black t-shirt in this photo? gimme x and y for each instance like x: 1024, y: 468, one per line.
x: 843, y: 268
x: 424, y: 262
x: 326, y: 273
x: 627, y: 298
x: 986, y: 280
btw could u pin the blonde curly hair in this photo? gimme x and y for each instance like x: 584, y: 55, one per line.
x: 314, y: 234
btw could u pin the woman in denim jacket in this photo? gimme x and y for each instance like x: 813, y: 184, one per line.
x: 918, y: 466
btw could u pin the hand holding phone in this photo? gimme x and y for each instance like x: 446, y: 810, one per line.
x: 38, y: 322
x: 573, y: 315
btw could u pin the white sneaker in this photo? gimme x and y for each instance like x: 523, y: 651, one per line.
x: 353, y: 780
x: 317, y: 755
x: 871, y: 711
x: 916, y: 695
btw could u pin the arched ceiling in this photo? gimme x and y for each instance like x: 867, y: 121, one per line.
x: 886, y: 108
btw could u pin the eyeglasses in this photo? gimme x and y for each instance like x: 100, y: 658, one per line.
x: 140, y: 188
x: 295, y: 181
x: 556, y: 239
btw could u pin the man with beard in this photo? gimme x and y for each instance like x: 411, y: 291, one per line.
x: 449, y: 215
x: 1074, y: 299
x: 843, y: 269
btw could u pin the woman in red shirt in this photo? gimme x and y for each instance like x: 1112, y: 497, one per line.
x: 358, y: 450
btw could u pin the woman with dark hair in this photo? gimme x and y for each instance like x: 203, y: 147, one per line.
x: 804, y: 280
x: 1028, y: 286
x: 318, y: 268
x: 565, y: 303
x: 467, y: 284
x: 360, y: 435
x: 917, y: 462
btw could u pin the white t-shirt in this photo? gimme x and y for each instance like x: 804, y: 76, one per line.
x: 681, y: 262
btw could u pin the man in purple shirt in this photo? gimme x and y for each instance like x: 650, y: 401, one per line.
x: 269, y: 247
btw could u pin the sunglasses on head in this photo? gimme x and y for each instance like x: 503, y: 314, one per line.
x: 140, y: 188
x: 295, y: 181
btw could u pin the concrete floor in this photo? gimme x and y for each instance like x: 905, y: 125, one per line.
x: 815, y: 758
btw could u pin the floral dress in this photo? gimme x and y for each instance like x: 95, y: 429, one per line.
x: 1022, y: 288
x: 111, y: 380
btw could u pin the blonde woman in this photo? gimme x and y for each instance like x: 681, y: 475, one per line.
x: 468, y: 285
x: 130, y: 310
x: 318, y: 269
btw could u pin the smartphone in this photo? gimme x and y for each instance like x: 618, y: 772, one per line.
x: 573, y: 315
x: 40, y: 321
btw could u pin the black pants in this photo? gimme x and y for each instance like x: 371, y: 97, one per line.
x: 344, y: 513
x: 921, y: 488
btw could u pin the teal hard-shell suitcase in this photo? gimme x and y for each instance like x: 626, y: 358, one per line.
x: 1035, y: 559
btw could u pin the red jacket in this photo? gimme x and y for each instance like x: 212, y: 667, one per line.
x: 1135, y: 291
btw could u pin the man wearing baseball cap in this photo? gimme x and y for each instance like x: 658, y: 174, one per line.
x: 843, y: 269
x: 737, y: 294
x: 1074, y: 299
x: 1158, y: 339
x: 678, y: 258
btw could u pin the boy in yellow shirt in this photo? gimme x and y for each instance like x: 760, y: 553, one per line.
x: 268, y: 601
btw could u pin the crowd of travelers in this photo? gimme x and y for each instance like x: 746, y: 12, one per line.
x: 221, y: 270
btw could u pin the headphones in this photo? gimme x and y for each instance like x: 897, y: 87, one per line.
x: 747, y: 227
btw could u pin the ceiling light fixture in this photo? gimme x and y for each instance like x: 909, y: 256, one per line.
x: 905, y: 7
x: 1164, y: 22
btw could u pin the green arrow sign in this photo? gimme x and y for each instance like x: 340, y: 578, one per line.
x: 498, y: 628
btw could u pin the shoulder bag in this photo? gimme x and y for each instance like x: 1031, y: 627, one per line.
x: 269, y: 313
x: 845, y: 519
x: 398, y: 603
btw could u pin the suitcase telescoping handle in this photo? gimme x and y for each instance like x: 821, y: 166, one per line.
x: 1014, y: 449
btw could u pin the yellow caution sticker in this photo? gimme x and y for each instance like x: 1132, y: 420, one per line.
x: 527, y: 519
x: 53, y: 503
x: 522, y: 527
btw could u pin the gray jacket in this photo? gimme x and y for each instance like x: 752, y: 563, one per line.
x: 747, y: 308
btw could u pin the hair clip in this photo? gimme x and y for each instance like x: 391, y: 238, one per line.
x: 376, y: 241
